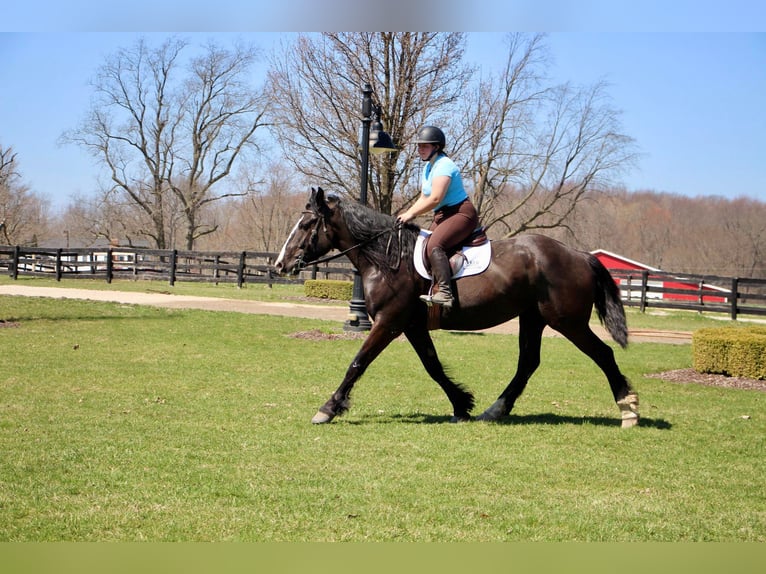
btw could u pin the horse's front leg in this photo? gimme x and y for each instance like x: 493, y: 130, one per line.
x: 379, y: 338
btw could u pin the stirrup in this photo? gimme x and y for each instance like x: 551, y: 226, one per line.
x: 437, y: 299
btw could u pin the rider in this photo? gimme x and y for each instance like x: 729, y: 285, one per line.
x: 455, y: 217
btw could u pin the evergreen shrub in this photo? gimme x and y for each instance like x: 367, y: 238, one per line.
x: 329, y: 289
x: 736, y: 352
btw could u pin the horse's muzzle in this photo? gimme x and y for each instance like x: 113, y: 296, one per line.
x: 292, y: 269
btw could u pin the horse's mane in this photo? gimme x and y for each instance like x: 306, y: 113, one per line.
x: 382, y: 249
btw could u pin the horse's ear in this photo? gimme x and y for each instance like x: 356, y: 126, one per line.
x: 318, y: 203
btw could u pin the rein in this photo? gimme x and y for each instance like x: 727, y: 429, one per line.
x: 327, y: 258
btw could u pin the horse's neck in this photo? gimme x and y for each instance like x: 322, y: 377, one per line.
x: 353, y: 249
x: 362, y: 254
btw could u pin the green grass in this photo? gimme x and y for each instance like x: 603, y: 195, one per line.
x: 131, y: 423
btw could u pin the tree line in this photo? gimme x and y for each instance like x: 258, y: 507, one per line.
x: 195, y: 156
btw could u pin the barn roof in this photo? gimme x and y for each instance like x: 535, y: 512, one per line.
x: 630, y: 262
x: 643, y: 266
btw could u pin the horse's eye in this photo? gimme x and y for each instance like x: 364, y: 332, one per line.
x: 304, y: 225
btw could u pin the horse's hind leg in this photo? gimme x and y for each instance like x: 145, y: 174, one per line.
x: 531, y: 327
x: 603, y: 355
x: 461, y: 399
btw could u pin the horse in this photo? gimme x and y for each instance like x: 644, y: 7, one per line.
x: 533, y: 277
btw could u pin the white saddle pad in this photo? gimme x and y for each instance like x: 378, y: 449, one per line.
x: 476, y: 259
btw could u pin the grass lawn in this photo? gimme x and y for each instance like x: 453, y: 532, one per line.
x: 129, y: 423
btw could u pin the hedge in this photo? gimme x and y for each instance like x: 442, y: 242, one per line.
x: 329, y: 289
x: 732, y: 351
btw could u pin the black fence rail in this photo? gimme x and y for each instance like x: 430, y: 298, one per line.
x: 238, y: 267
x: 665, y: 290
x: 644, y: 289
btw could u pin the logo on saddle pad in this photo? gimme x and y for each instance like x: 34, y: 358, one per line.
x: 468, y: 261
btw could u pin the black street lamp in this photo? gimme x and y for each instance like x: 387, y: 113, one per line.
x: 374, y: 141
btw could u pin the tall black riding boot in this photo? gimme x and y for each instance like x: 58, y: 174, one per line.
x: 440, y: 268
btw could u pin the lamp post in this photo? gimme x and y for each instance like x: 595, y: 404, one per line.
x: 377, y: 142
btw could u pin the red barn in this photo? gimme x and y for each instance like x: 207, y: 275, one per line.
x: 658, y: 281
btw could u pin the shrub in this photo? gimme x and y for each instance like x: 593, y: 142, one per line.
x: 737, y: 352
x: 329, y: 289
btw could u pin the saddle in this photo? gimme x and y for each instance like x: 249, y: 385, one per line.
x: 471, y: 257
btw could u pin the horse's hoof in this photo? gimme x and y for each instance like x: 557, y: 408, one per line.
x: 494, y: 413
x: 321, y: 418
x: 629, y: 423
x: 485, y: 417
x: 629, y: 410
x: 461, y: 419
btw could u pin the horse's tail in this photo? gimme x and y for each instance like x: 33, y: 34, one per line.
x: 608, y: 303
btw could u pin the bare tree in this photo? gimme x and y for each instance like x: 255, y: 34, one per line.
x: 8, y: 168
x: 701, y: 235
x: 269, y: 212
x: 529, y: 152
x: 743, y: 221
x: 262, y: 219
x: 169, y: 139
x: 496, y: 120
x: 315, y: 87
x: 23, y: 214
x: 111, y: 217
x: 535, y: 152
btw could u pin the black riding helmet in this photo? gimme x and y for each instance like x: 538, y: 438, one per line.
x: 432, y: 135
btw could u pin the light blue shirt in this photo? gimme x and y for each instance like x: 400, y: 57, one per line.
x: 443, y: 165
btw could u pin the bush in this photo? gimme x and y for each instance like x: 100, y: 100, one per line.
x: 737, y: 352
x: 329, y: 289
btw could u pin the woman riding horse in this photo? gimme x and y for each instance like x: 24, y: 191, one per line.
x: 533, y: 277
x: 455, y: 217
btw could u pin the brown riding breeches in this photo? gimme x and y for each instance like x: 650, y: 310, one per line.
x: 451, y: 225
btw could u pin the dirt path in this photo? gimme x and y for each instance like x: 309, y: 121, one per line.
x: 309, y: 311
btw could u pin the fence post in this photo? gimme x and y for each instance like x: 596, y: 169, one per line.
x: 173, y: 266
x: 241, y: 269
x: 15, y: 263
x: 734, y: 296
x: 109, y: 265
x: 644, y: 286
x: 58, y: 264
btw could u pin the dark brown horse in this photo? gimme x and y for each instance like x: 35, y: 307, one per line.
x: 533, y: 277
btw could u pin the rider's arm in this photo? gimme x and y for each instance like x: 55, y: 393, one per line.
x: 426, y: 203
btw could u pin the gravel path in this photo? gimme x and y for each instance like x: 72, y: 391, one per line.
x: 307, y: 310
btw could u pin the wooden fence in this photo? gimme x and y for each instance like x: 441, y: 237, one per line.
x: 661, y: 290
x: 238, y: 267
x: 665, y: 290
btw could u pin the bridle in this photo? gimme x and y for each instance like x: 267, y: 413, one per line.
x: 312, y: 239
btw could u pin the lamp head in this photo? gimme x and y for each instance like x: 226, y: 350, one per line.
x: 380, y: 142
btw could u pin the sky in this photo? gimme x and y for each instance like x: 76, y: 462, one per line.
x: 693, y: 99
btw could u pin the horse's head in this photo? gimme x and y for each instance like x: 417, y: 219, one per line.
x: 311, y: 236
